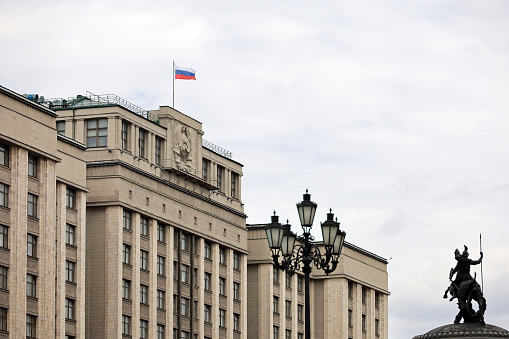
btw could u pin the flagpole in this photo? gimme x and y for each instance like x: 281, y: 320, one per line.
x: 173, y: 86
x: 480, y: 248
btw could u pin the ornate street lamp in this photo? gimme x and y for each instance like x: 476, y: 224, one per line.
x: 299, y: 252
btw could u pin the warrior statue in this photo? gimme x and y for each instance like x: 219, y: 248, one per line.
x: 465, y: 289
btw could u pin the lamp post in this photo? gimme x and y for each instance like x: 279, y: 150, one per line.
x: 300, y: 252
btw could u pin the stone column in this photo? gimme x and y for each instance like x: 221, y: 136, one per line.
x: 152, y: 291
x: 61, y: 258
x: 81, y: 243
x: 135, y: 283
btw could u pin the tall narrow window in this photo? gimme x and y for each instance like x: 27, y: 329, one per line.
x: 288, y: 280
x: 4, y: 155
x: 160, y: 265
x: 350, y: 320
x: 143, y: 329
x: 220, y: 177
x: 69, y: 309
x: 350, y: 290
x: 222, y: 283
x: 222, y: 317
x: 363, y: 323
x: 160, y: 233
x: 3, y: 277
x: 144, y: 226
x: 377, y: 300
x: 127, y: 254
x: 288, y: 334
x: 185, y: 273
x: 69, y: 271
x: 144, y: 294
x: 207, y: 310
x: 235, y: 181
x: 141, y: 143
x: 31, y: 326
x: 32, y: 166
x: 127, y: 220
x: 184, y: 242
x: 61, y: 127
x: 97, y: 132
x: 207, y: 277
x: 300, y: 312
x: 377, y: 327
x: 125, y: 135
x: 31, y: 286
x: 4, y: 236
x: 275, y: 304
x: 275, y: 273
x: 70, y: 199
x: 70, y: 232
x: 184, y: 309
x: 32, y: 205
x: 160, y: 331
x: 31, y: 245
x: 126, y: 289
x: 158, y: 149
x: 126, y: 325
x: 205, y: 169
x: 236, y: 260
x: 364, y: 294
x: 160, y: 299
x: 288, y: 308
x: 275, y: 332
x: 4, y: 195
x: 236, y: 322
x: 143, y: 260
x: 207, y: 253
x: 3, y: 319
x: 236, y: 291
x: 222, y: 255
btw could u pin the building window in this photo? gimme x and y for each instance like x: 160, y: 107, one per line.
x: 175, y: 303
x: 69, y: 271
x: 126, y: 289
x: 70, y: 199
x: 350, y: 318
x: 288, y: 280
x: 195, y: 309
x: 220, y: 176
x: 184, y: 273
x: 70, y: 231
x: 275, y: 304
x: 143, y: 294
x: 158, y: 147
x: 32, y: 205
x: 206, y: 313
x: 275, y: 274
x: 377, y: 300
x: 222, y: 318
x: 205, y: 169
x: 160, y: 233
x: 4, y: 155
x: 97, y: 132
x: 363, y: 323
x: 3, y: 319
x: 126, y: 325
x: 207, y: 280
x: 288, y: 334
x: 4, y: 236
x: 222, y: 283
x: 125, y: 135
x: 184, y: 306
x: 3, y: 277
x: 144, y: 260
x: 31, y: 245
x: 184, y: 242
x: 69, y: 309
x: 235, y: 181
x: 300, y: 312
x: 4, y: 195
x: 160, y: 265
x: 236, y: 322
x: 350, y: 290
x: 275, y: 332
x: 236, y: 291
x: 160, y: 331
x: 300, y: 336
x: 61, y: 127
x: 222, y: 255
x: 32, y: 166
x: 143, y: 329
x: 127, y: 254
x: 141, y: 143
x: 144, y: 226
x: 364, y: 294
x: 31, y: 326
x: 288, y: 308
x: 185, y: 335
x: 195, y: 277
x: 31, y: 286
x: 127, y: 220
x: 160, y: 299
x: 207, y: 254
x: 377, y: 327
x: 236, y: 260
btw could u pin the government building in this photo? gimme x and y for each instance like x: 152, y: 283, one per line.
x: 117, y: 222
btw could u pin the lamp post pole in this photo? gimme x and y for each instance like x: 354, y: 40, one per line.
x: 300, y: 256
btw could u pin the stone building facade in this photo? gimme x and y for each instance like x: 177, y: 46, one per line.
x: 351, y: 302
x: 42, y: 224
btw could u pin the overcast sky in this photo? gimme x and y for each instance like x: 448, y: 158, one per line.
x: 392, y: 113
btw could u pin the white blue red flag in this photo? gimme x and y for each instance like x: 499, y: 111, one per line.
x: 184, y: 73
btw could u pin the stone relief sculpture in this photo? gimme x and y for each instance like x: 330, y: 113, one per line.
x: 182, y: 148
x: 466, y: 289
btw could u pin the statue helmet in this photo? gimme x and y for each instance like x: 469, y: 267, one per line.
x: 465, y: 252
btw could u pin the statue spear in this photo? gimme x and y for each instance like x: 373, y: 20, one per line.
x: 480, y: 248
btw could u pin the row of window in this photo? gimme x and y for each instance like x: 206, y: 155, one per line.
x: 288, y: 308
x: 32, y: 200
x: 363, y: 323
x: 32, y: 161
x: 220, y: 175
x: 288, y: 333
x: 31, y: 323
x: 288, y: 279
x: 70, y: 232
x: 364, y: 293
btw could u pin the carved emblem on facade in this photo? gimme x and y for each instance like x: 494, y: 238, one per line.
x: 182, y: 149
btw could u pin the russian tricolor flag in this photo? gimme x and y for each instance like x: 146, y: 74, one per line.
x: 185, y: 73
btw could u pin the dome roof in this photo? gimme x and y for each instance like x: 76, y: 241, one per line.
x: 468, y: 330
